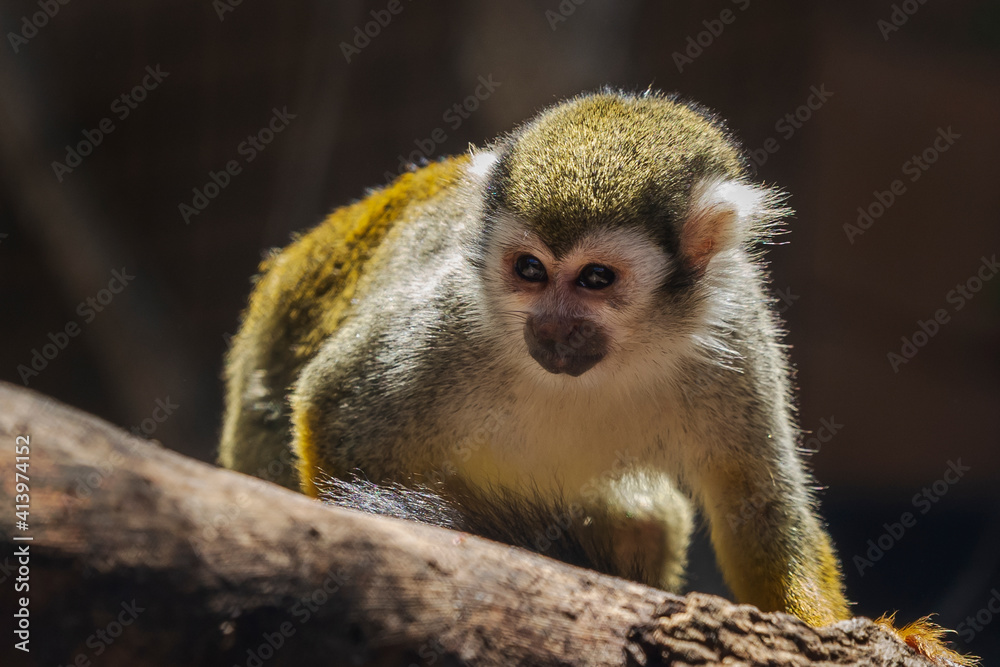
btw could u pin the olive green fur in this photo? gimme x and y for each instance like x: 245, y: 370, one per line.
x: 373, y: 346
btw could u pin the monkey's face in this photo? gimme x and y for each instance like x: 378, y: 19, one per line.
x: 579, y: 305
x: 612, y: 236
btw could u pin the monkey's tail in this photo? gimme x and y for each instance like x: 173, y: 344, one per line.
x: 927, y: 639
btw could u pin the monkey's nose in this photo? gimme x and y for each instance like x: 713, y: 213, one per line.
x: 563, y: 345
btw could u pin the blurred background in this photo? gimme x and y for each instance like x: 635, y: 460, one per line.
x: 126, y: 248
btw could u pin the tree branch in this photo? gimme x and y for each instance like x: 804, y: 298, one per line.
x: 144, y: 557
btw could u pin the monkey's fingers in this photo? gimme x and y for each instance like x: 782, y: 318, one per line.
x: 927, y: 639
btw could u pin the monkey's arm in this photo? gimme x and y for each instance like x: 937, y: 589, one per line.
x: 769, y: 542
x: 775, y: 554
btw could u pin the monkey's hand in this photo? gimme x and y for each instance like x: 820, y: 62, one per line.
x: 927, y: 639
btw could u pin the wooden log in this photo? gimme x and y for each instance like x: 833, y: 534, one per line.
x: 140, y: 556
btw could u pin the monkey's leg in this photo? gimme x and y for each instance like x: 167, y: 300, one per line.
x: 256, y: 429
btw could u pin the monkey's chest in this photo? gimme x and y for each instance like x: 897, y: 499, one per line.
x: 565, y: 448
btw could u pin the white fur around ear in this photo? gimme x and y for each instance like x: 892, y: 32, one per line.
x: 724, y: 215
x: 481, y: 163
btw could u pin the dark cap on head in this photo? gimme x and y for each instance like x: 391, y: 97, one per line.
x: 609, y: 159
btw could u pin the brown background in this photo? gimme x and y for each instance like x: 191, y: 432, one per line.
x: 165, y: 334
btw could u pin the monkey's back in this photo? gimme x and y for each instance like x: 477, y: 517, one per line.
x: 302, y: 295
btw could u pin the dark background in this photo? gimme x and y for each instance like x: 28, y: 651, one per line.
x: 847, y: 304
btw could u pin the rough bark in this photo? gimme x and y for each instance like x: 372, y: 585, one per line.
x: 141, y: 556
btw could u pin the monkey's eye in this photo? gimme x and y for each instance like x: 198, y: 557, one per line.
x: 530, y: 268
x: 595, y: 276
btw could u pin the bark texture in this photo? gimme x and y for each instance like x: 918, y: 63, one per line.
x: 141, y: 556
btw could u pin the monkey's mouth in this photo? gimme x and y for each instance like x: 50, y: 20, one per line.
x: 566, y: 351
x: 573, y: 365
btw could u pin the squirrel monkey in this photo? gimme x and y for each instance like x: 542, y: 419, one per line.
x: 568, y: 329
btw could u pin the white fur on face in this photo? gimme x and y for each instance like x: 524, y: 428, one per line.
x: 724, y: 218
x: 640, y: 267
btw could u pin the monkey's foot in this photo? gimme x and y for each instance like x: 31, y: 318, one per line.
x: 926, y: 638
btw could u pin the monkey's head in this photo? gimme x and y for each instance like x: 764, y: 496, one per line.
x: 615, y: 229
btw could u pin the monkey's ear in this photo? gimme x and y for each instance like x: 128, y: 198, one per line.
x: 724, y: 215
